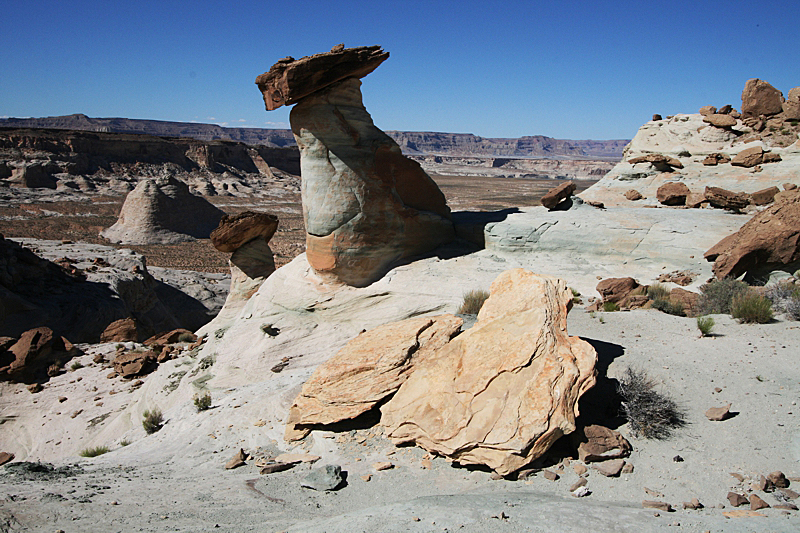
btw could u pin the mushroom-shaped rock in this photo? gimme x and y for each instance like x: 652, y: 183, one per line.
x: 368, y: 369
x: 289, y: 80
x: 163, y: 211
x: 365, y: 205
x: 761, y: 98
x: 771, y: 237
x: 503, y: 391
x: 234, y: 231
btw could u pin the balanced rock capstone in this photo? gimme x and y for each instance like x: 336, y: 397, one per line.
x: 365, y: 205
x: 503, y: 391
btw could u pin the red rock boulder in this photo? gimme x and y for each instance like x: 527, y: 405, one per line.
x: 725, y: 199
x: 556, y: 195
x: 122, y: 330
x: 761, y: 98
x: 35, y: 350
x: 771, y: 237
x: 673, y: 193
x: 617, y: 290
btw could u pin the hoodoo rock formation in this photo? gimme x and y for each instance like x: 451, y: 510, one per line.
x: 247, y: 236
x: 503, y: 391
x: 365, y: 205
x: 163, y: 211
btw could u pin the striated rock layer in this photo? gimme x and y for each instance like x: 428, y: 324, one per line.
x: 502, y: 392
x: 365, y: 205
x: 368, y: 369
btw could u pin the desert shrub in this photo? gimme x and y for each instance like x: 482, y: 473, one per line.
x: 658, y: 291
x: 153, y: 420
x: 751, y: 308
x: 185, y: 337
x: 651, y: 414
x: 76, y: 365
x: 94, y: 452
x: 705, y: 324
x: 576, y: 296
x: 668, y: 306
x: 609, y: 307
x: 124, y: 442
x: 716, y: 297
x: 473, y: 301
x: 785, y: 297
x: 202, y: 403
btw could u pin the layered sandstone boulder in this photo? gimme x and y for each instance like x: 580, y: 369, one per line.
x: 725, y: 199
x: 503, y: 391
x: 28, y: 357
x: 770, y: 239
x: 365, y: 205
x: 163, y: 211
x: 368, y: 369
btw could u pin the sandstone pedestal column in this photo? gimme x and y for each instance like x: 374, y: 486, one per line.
x: 366, y: 206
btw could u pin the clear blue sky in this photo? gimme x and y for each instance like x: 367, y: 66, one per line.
x: 580, y: 70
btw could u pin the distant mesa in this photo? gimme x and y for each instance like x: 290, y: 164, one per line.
x: 365, y: 205
x: 163, y: 211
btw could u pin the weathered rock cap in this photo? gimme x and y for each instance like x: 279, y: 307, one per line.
x: 291, y: 79
x: 234, y: 231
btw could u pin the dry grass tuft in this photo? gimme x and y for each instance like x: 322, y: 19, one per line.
x: 473, y: 301
x: 651, y: 414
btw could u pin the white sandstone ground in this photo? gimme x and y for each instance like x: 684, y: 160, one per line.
x: 175, y: 480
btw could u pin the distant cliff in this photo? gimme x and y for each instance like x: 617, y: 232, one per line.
x: 411, y: 142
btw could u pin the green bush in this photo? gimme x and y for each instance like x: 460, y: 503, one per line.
x: 751, y: 308
x: 651, y: 414
x: 716, y: 297
x: 186, y: 337
x: 705, y: 324
x: 94, y: 452
x: 124, y: 442
x: 658, y: 291
x: 668, y: 306
x: 576, y: 296
x: 473, y: 301
x: 609, y: 307
x: 153, y: 421
x: 203, y: 403
x: 76, y: 365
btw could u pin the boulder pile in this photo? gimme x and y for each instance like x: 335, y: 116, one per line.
x: 365, y: 205
x: 498, y: 394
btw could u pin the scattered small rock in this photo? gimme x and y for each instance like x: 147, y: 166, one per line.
x: 627, y: 469
x: 579, y: 468
x: 35, y: 387
x: 385, y: 465
x: 610, y: 468
x: 271, y: 468
x: 328, y: 477
x: 757, y: 503
x: 550, y: 475
x: 578, y: 484
x: 661, y: 506
x: 297, y: 458
x: 737, y: 499
x: 778, y: 479
x: 718, y: 414
x: 580, y: 492
x: 237, y: 460
x: 62, y: 399
x: 6, y: 457
x: 366, y: 477
x: 694, y: 504
x: 653, y: 493
x: 677, y: 459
